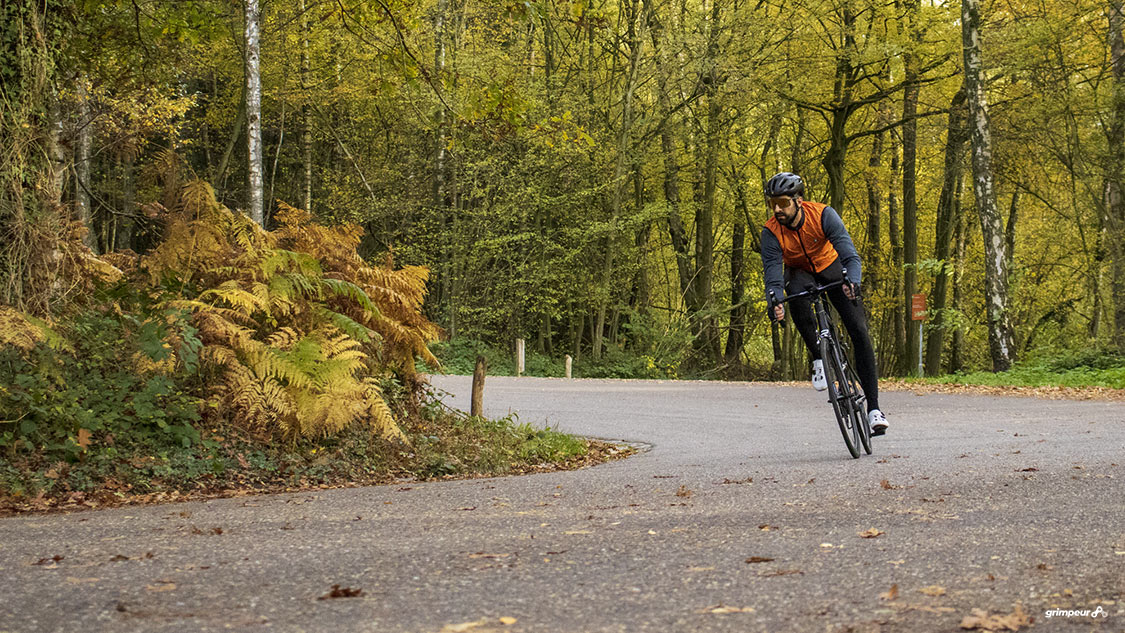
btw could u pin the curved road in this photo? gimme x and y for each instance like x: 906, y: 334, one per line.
x: 744, y: 514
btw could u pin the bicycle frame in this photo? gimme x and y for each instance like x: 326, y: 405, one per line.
x: 845, y: 396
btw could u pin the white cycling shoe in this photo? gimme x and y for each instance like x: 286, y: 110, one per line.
x: 878, y: 422
x: 819, y: 382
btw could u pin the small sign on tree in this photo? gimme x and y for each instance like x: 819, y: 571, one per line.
x: 918, y: 307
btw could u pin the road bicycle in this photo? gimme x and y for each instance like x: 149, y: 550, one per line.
x: 844, y: 394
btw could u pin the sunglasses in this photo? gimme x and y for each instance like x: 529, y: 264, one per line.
x: 782, y: 202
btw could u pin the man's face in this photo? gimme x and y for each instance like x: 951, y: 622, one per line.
x: 784, y: 209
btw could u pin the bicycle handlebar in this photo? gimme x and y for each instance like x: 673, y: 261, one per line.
x: 809, y: 292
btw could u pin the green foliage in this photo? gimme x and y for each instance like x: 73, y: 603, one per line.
x: 1083, y: 368
x: 116, y: 389
x: 458, y: 356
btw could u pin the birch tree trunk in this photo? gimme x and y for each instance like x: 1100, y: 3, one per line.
x: 306, y: 114
x: 992, y: 230
x: 82, y: 163
x: 254, y: 113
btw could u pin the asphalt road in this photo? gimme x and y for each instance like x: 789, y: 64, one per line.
x: 744, y: 513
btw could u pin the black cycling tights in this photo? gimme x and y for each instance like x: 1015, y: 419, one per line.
x: 851, y: 315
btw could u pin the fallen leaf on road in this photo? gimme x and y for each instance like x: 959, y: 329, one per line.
x: 827, y: 545
x: 720, y: 609
x: 571, y: 532
x: 117, y: 558
x: 933, y: 590
x: 766, y: 527
x: 872, y: 533
x: 779, y: 572
x: 161, y: 586
x: 507, y: 621
x: 483, y: 555
x: 683, y: 492
x: 889, y: 594
x: 758, y: 559
x: 56, y: 558
x: 464, y: 626
x: 341, y: 592
x: 886, y: 485
x: 80, y: 581
x: 980, y: 619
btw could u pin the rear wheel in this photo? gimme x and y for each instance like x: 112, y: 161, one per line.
x: 839, y: 393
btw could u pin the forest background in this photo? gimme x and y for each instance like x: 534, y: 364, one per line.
x: 588, y: 175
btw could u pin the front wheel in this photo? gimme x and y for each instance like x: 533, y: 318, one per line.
x: 861, y: 429
x: 839, y: 393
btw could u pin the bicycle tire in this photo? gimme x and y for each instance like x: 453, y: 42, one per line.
x: 859, y: 412
x: 841, y: 402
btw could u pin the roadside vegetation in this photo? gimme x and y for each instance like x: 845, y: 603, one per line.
x: 1082, y: 369
x: 231, y: 358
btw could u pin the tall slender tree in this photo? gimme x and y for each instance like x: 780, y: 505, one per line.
x: 254, y: 112
x: 992, y: 229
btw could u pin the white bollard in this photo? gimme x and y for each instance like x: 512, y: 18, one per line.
x: 569, y: 361
x: 519, y: 357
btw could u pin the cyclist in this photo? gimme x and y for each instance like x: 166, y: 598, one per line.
x: 811, y: 241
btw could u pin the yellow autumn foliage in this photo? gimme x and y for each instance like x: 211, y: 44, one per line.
x: 298, y: 327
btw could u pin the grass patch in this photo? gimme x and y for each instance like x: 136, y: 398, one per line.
x: 1080, y: 369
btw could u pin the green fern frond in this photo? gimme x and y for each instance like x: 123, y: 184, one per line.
x: 348, y: 290
x: 347, y: 325
x: 233, y: 294
x: 280, y: 258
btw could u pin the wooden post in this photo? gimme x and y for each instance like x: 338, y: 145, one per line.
x: 519, y: 357
x: 475, y: 405
x: 569, y: 361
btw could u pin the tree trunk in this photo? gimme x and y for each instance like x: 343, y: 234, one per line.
x: 909, y: 185
x: 961, y: 239
x: 739, y: 309
x: 996, y: 259
x: 1010, y: 228
x: 82, y: 163
x: 254, y: 113
x: 1115, y: 172
x: 306, y: 114
x: 705, y: 212
x: 671, y: 166
x: 123, y: 237
x: 955, y: 137
x: 835, y: 158
x: 898, y: 316
x: 872, y: 251
x: 624, y: 147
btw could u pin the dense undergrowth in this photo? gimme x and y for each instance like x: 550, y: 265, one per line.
x: 228, y: 356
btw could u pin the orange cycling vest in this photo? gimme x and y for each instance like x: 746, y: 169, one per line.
x: 807, y: 247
